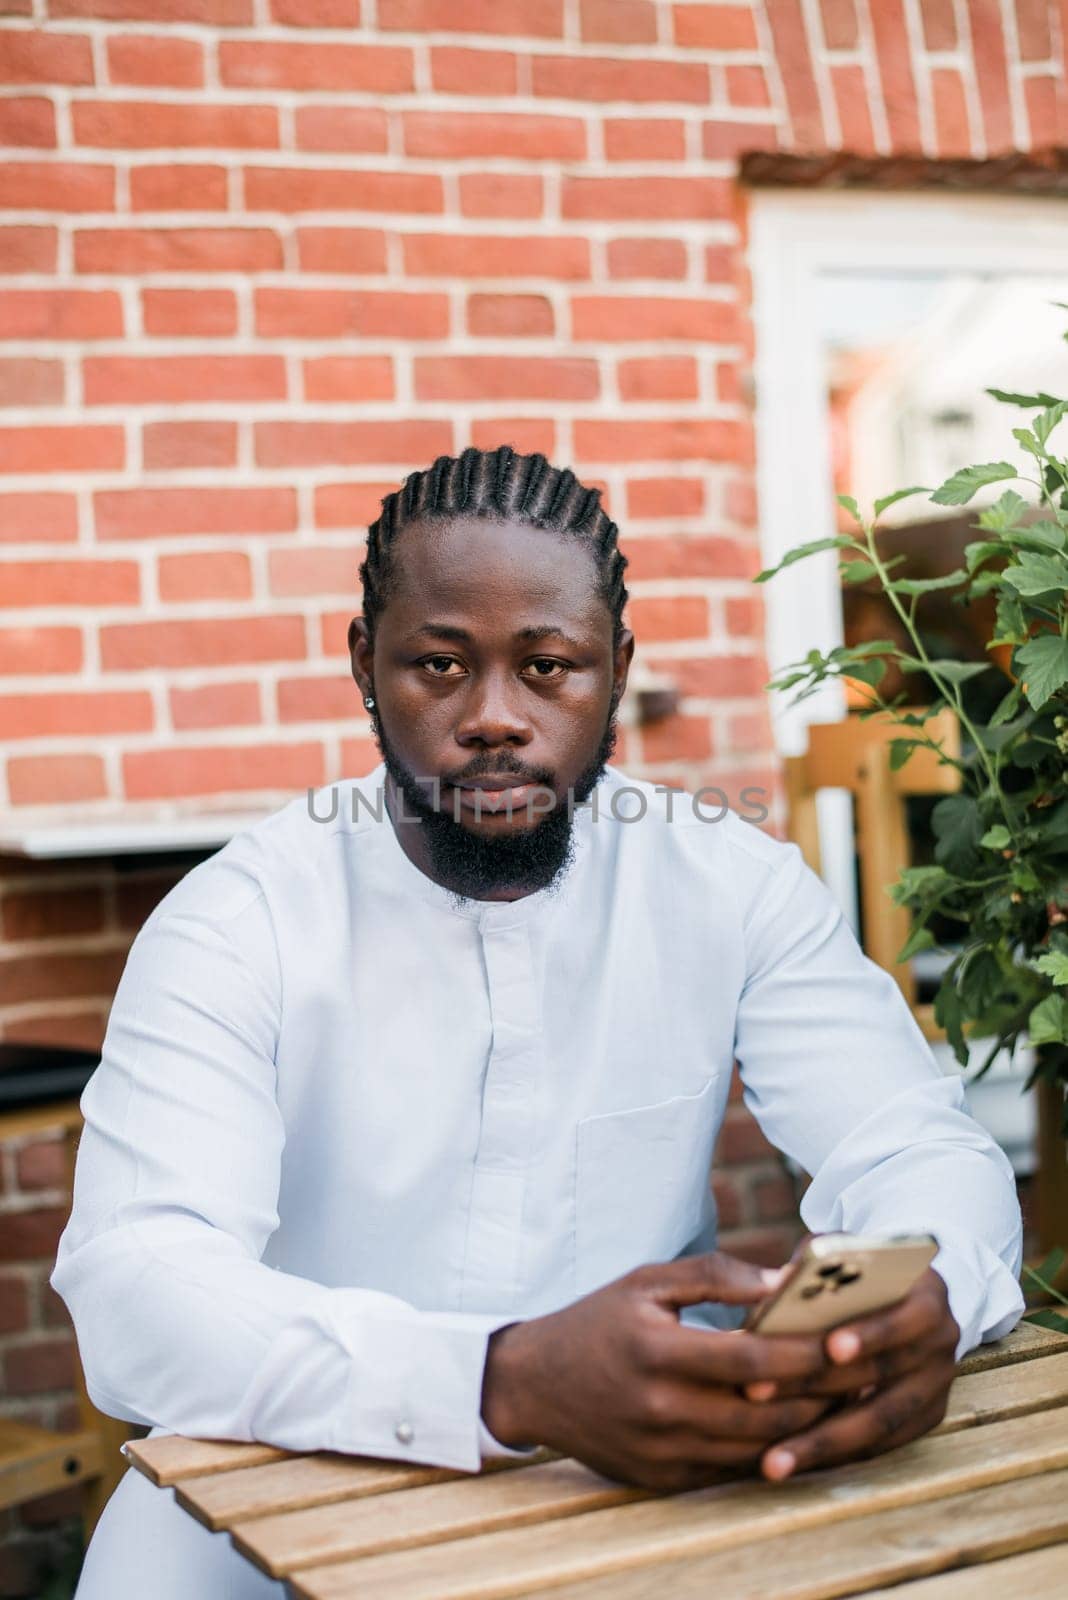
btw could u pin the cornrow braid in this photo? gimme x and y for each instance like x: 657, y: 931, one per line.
x: 505, y: 486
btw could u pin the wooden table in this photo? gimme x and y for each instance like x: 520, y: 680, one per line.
x: 989, y: 1486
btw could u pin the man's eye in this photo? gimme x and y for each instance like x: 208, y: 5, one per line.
x: 434, y: 662
x: 556, y: 668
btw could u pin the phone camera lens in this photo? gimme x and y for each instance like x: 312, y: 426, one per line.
x: 832, y: 1270
x: 811, y: 1290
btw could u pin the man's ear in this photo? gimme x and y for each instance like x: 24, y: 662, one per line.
x: 622, y: 657
x: 361, y: 654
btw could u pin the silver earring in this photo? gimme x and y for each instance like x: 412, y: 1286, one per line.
x: 369, y: 701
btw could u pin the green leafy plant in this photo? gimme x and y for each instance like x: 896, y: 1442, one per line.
x: 1000, y: 869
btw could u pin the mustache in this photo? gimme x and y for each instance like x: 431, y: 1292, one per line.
x: 499, y: 770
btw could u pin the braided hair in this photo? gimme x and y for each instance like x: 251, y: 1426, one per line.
x: 506, y: 487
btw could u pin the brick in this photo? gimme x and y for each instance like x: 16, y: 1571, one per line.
x: 215, y: 13
x: 728, y: 141
x: 216, y: 705
x: 363, y: 129
x: 1033, y: 19
x: 295, y: 444
x: 989, y: 48
x: 313, y: 571
x: 304, y: 189
x: 509, y: 316
x: 36, y: 516
x: 644, y: 139
x: 47, y: 1363
x: 349, y: 505
x: 660, y: 617
x: 501, y: 194
x: 41, y: 1165
x: 129, y: 251
x: 170, y: 774
x: 136, y: 899
x: 316, y: 13
x: 266, y: 64
x: 40, y: 650
x: 745, y: 616
x: 60, y: 314
x: 953, y: 134
x: 139, y: 58
x: 658, y: 378
x: 461, y: 134
x: 210, y: 313
x: 854, y: 113
x: 62, y: 186
x: 199, y: 444
x: 677, y: 738
x: 1043, y: 99
x: 715, y: 27
x: 39, y: 716
x: 602, y: 78
x: 25, y: 381
x: 526, y: 435
x: 357, y: 378
x: 178, y: 188
x: 333, y: 630
x: 728, y: 1200
x: 840, y: 28
x: 28, y: 122
x: 656, y: 439
x: 721, y: 263
x: 32, y: 1235
x: 691, y: 556
x: 359, y: 757
x: 84, y: 1030
x: 617, y: 21
x: 205, y: 575
x: 347, y: 313
x: 646, y: 258
x: 29, y: 249
x: 790, y: 39
x: 150, y: 124
x: 152, y: 513
x: 40, y: 913
x: 940, y: 23
x: 741, y: 1140
x: 665, y: 497
x: 69, y: 583
x: 774, y: 1197
x: 147, y: 380
x: 14, y: 1303
x: 55, y: 780
x: 669, y: 199
x: 34, y: 56
x: 747, y: 86
x: 200, y: 642
x: 445, y: 255
x: 355, y: 250
x: 740, y: 502
x: 623, y: 317
x: 890, y: 32
x: 538, y: 19
x: 323, y: 699
x: 750, y: 731
x: 505, y: 378
x: 454, y: 70
x: 73, y: 449
x: 715, y: 677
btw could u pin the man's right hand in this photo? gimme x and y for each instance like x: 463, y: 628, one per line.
x: 618, y: 1382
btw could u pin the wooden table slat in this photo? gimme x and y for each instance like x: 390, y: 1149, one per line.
x: 1024, y: 1343
x: 488, y: 1566
x: 172, y: 1457
x: 1039, y: 1575
x: 300, y: 1482
x: 890, y: 1547
x: 995, y: 1394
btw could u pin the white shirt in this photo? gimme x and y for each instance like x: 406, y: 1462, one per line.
x: 344, y: 1126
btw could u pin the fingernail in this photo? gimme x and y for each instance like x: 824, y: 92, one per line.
x: 779, y: 1464
x: 760, y: 1391
x: 843, y: 1346
x: 772, y: 1276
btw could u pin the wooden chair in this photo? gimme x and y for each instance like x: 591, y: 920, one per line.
x: 854, y: 754
x: 36, y: 1461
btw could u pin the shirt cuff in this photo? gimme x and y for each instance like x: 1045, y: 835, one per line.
x: 985, y: 1298
x: 492, y: 1447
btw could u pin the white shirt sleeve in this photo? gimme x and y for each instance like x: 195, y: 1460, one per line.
x: 841, y: 1079
x: 180, y: 1323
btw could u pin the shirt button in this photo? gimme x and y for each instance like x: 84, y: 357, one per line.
x: 404, y: 1432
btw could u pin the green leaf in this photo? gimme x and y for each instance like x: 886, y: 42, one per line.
x: 1004, y: 513
x: 959, y: 489
x: 949, y: 1014
x: 1006, y: 707
x: 900, y: 751
x: 888, y: 500
x: 1057, y: 1320
x: 1030, y: 401
x: 1011, y: 624
x: 958, y: 828
x: 1055, y: 966
x: 1027, y: 441
x: 1046, y: 535
x: 1042, y: 664
x: 857, y: 571
x: 839, y: 542
x: 849, y: 504
x: 982, y: 550
x: 997, y: 838
x: 1045, y: 424
x: 956, y: 671
x: 1051, y: 1268
x: 921, y: 585
x: 1034, y: 574
x: 1048, y: 1021
x: 921, y: 938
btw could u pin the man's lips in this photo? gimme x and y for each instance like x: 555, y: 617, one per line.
x: 494, y: 794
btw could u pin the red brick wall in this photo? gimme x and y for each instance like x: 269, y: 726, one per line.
x: 262, y: 257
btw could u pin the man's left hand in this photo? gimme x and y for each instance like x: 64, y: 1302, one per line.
x: 892, y: 1370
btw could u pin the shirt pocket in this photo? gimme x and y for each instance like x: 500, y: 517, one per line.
x: 642, y: 1181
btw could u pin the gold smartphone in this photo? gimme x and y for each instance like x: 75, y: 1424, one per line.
x: 840, y: 1276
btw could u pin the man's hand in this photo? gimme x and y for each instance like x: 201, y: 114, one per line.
x: 617, y: 1381
x: 893, y: 1370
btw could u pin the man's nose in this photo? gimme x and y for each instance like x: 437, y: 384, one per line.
x: 493, y: 713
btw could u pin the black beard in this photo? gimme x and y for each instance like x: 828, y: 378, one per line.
x: 475, y: 865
